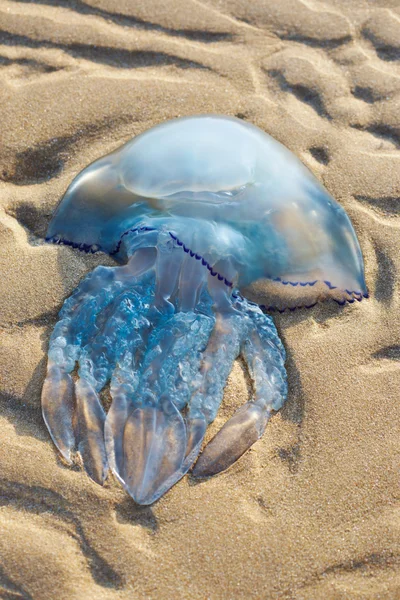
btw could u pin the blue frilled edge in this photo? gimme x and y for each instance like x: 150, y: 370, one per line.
x: 94, y: 248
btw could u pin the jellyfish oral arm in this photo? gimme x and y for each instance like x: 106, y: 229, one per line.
x: 264, y: 356
x: 164, y: 331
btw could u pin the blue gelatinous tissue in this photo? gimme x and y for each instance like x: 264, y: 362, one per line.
x: 197, y: 210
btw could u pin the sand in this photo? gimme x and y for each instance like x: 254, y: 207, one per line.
x: 313, y: 509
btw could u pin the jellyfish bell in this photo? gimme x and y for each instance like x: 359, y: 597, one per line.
x: 198, y: 210
x: 275, y: 219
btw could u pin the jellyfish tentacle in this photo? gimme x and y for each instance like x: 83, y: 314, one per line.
x: 217, y: 361
x: 125, y: 316
x: 58, y: 408
x: 78, y: 317
x: 97, y: 362
x: 154, y: 433
x: 264, y: 355
x: 90, y: 419
x: 124, y: 383
x: 154, y: 440
x: 77, y: 322
x: 82, y: 315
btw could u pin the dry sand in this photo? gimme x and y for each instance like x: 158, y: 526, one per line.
x: 313, y: 509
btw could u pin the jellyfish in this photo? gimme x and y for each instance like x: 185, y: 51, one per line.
x: 199, y: 213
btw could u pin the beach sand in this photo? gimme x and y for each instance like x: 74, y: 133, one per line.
x: 313, y: 509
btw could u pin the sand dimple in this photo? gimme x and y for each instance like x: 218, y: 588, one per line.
x: 313, y: 509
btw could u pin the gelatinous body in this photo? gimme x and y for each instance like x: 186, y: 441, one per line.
x: 198, y: 209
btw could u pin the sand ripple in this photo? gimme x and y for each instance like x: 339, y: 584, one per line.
x: 313, y: 509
